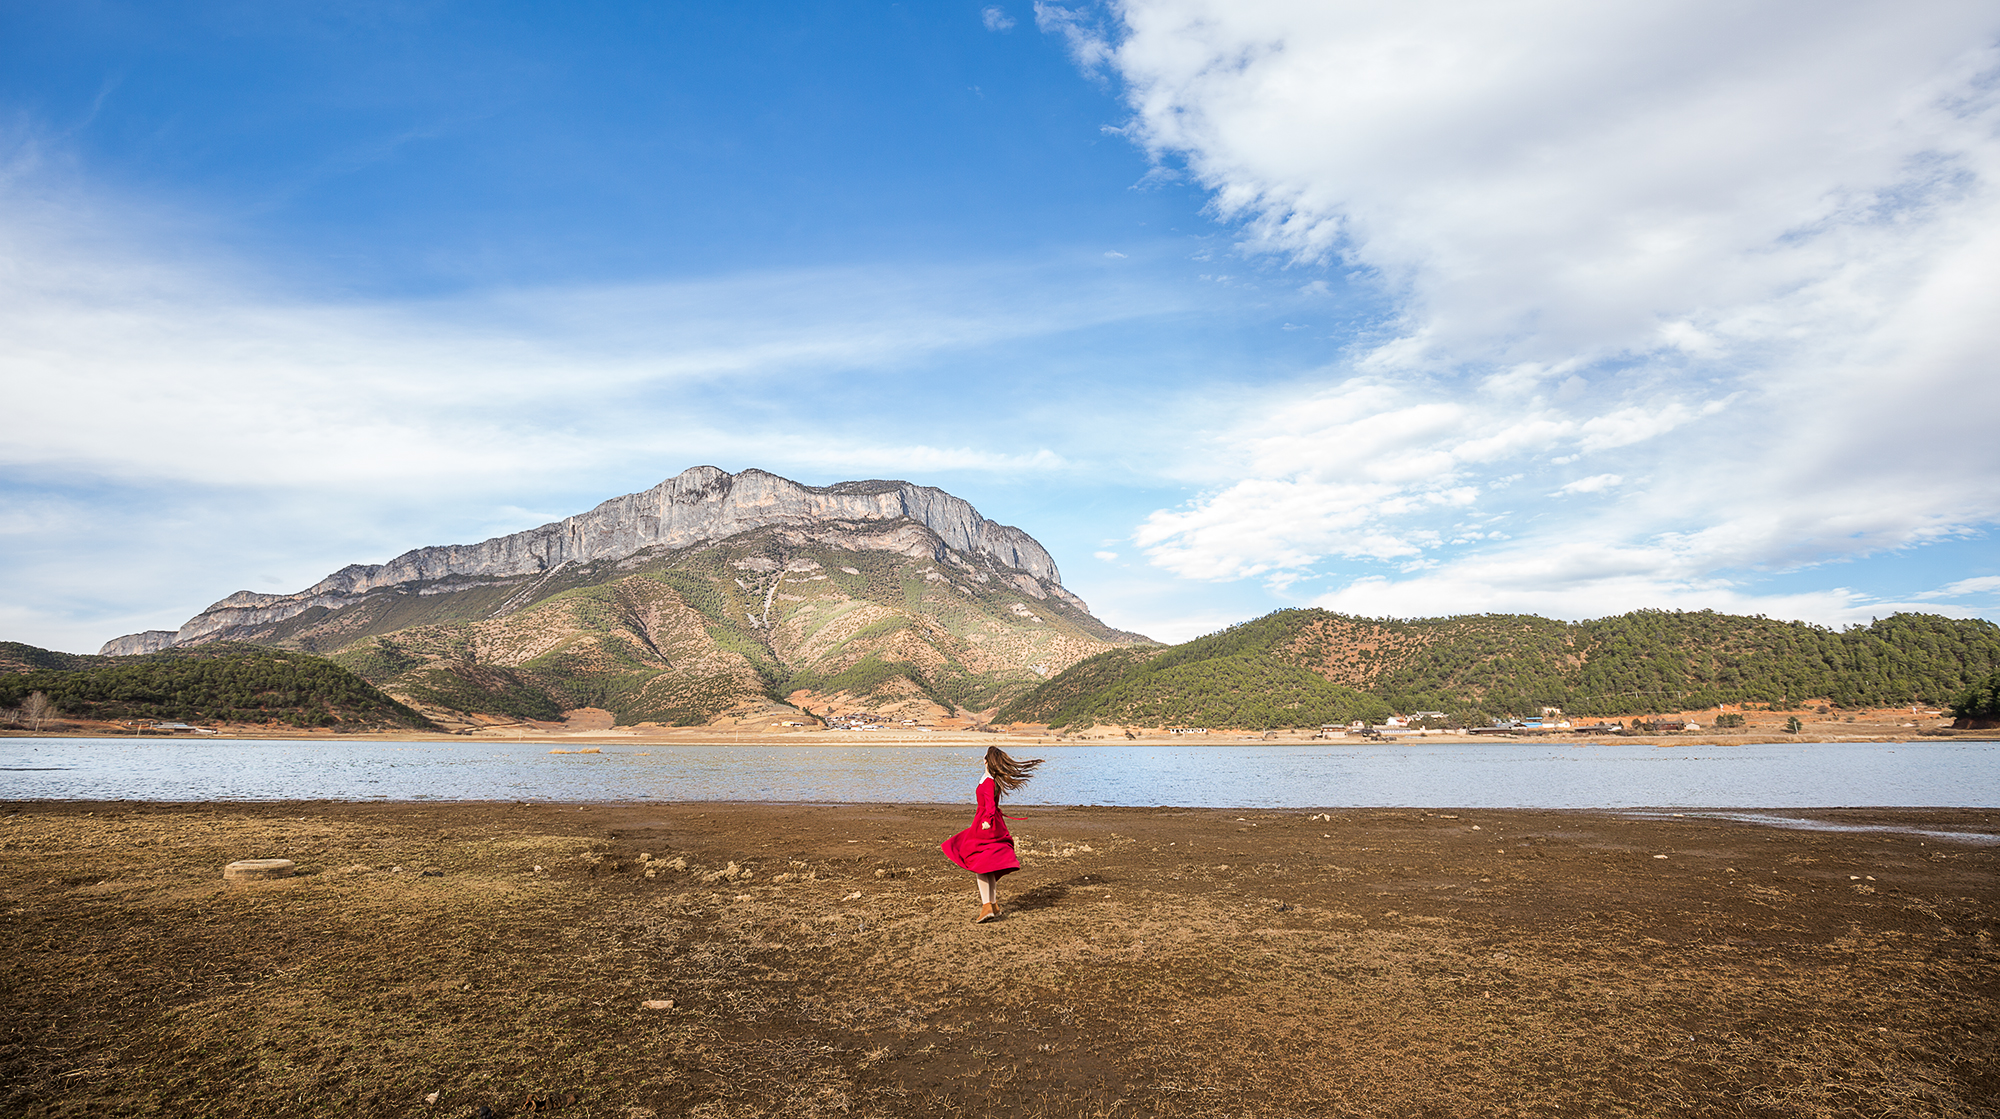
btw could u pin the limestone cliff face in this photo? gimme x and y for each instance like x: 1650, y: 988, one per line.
x: 134, y: 644
x: 699, y: 504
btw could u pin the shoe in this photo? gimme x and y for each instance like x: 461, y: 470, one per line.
x: 988, y: 912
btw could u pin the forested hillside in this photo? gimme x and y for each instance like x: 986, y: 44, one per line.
x: 1248, y: 691
x: 1483, y: 666
x: 211, y: 683
x: 18, y: 657
x: 1979, y: 707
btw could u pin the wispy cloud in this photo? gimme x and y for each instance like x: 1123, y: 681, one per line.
x: 996, y: 19
x: 1596, y: 483
x: 1750, y: 255
x: 1080, y: 29
x: 180, y: 426
x: 1964, y: 588
x: 122, y: 365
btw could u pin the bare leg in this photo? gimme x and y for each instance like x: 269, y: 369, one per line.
x: 988, y: 888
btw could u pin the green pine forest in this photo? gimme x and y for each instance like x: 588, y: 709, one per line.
x: 219, y: 682
x: 1294, y: 668
x: 1980, y: 704
x: 1305, y: 667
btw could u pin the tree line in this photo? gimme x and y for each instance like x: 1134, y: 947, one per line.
x: 1478, y: 667
x: 217, y: 683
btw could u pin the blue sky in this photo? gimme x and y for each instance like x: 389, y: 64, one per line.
x: 1436, y: 309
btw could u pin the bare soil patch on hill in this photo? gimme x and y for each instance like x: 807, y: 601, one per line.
x: 709, y: 960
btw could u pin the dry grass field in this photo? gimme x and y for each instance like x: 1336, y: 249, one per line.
x: 738, y: 961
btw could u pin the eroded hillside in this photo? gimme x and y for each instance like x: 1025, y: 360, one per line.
x: 772, y: 621
x: 709, y: 597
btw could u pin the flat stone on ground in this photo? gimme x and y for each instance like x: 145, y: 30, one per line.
x: 256, y: 870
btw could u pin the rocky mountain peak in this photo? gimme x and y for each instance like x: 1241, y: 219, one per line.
x: 700, y: 504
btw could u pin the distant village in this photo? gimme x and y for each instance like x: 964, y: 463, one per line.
x: 1549, y: 721
x: 863, y: 720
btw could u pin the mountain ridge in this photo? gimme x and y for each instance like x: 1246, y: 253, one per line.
x: 699, y: 504
x: 709, y: 598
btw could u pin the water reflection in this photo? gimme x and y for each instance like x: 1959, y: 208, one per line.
x: 1295, y: 775
x: 1793, y: 823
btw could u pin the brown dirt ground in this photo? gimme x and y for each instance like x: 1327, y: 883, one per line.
x: 1152, y: 962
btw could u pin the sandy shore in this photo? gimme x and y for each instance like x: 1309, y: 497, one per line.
x: 711, y: 960
x: 591, y: 725
x: 709, y: 736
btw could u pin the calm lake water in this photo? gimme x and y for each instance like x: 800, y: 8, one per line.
x: 1471, y: 775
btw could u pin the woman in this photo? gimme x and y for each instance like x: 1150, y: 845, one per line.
x: 985, y: 848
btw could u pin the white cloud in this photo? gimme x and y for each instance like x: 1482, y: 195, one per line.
x: 1596, y: 483
x: 1107, y: 557
x: 1175, y: 628
x: 1978, y: 585
x: 1576, y: 169
x: 996, y: 19
x: 1749, y: 253
x: 1368, y: 469
x: 178, y: 427
x: 1080, y: 32
x: 1168, y: 625
x: 1599, y: 596
x: 123, y: 366
x: 1594, y: 580
x: 918, y: 459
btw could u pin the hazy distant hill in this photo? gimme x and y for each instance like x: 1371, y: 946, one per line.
x: 209, y: 683
x: 710, y: 595
x: 1261, y: 673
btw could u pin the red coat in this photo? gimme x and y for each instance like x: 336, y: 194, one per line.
x: 988, y: 850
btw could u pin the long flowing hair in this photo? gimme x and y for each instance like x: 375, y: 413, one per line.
x: 1008, y: 773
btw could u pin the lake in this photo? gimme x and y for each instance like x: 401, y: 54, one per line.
x: 1939, y: 774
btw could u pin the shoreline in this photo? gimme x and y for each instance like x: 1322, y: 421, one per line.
x: 961, y: 739
x: 1817, y: 721
x: 713, y: 959
x: 1896, y: 819
x: 1742, y: 814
